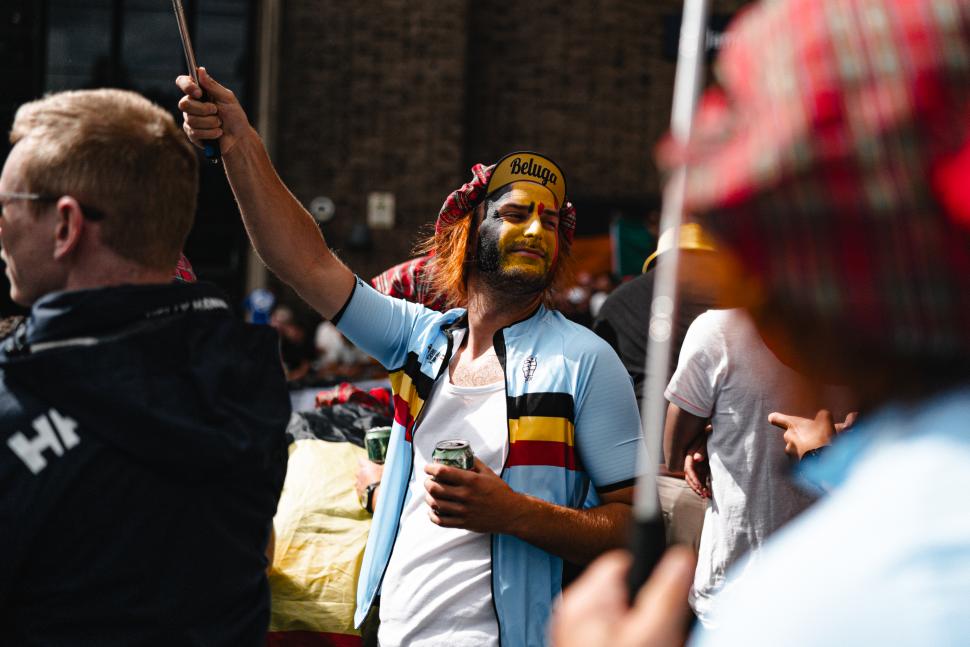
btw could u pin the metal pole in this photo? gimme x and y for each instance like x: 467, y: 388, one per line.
x: 648, y: 532
x: 211, y: 146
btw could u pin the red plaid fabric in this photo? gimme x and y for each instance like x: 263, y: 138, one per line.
x: 184, y: 271
x: 410, y: 280
x: 567, y: 220
x: 462, y: 201
x: 379, y: 398
x: 835, y: 160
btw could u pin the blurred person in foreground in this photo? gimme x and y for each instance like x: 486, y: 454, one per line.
x: 464, y: 556
x: 834, y: 163
x: 142, y: 426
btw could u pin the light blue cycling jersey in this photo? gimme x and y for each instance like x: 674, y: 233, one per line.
x: 572, y: 421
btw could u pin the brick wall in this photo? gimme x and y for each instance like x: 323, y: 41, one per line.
x: 388, y: 95
x: 372, y: 99
x: 575, y: 79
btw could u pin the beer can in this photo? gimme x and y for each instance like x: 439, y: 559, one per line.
x: 454, y: 453
x: 376, y: 440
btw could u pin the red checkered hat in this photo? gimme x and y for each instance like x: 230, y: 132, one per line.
x: 835, y: 160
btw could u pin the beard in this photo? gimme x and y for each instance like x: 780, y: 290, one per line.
x: 488, y: 261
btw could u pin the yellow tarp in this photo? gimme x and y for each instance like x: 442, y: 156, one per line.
x: 320, y: 535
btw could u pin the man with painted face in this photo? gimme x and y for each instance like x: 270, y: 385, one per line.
x: 464, y: 557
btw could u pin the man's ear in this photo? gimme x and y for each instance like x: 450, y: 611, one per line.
x: 68, y: 228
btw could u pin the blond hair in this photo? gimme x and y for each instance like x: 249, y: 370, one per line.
x: 121, y: 154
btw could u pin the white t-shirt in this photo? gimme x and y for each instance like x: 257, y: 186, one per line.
x: 438, y: 586
x: 726, y: 372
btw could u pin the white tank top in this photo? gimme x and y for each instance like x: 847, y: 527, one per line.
x: 437, y: 589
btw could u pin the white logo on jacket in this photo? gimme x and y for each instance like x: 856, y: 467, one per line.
x: 57, y: 437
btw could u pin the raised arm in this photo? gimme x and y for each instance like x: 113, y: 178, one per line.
x: 285, y: 236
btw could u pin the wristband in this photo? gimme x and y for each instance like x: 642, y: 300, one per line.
x: 367, y: 498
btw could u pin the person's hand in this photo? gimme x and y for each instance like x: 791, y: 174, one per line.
x: 476, y: 499
x: 367, y: 473
x: 593, y: 612
x: 697, y: 471
x: 850, y: 419
x: 803, y: 434
x: 221, y: 117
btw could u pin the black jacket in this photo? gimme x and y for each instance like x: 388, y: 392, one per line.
x: 142, y: 454
x: 625, y: 316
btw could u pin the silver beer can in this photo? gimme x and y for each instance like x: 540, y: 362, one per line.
x: 454, y: 453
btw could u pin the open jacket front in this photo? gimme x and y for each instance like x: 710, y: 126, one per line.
x: 572, y: 421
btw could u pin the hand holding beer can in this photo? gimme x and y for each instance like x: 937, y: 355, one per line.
x: 454, y: 453
x: 376, y: 440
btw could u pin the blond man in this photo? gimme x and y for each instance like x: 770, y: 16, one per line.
x: 141, y: 426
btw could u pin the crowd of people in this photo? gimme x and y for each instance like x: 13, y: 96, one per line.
x: 814, y: 446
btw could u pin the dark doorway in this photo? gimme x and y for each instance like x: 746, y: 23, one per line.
x: 52, y: 45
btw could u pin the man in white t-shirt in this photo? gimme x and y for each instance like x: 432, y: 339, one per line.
x: 484, y: 552
x: 727, y: 374
x: 441, y: 582
x: 457, y: 558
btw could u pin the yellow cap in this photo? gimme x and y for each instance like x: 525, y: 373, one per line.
x: 526, y: 166
x: 692, y: 238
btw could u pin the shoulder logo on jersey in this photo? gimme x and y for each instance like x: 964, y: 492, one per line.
x: 54, y: 432
x: 433, y: 354
x: 529, y: 367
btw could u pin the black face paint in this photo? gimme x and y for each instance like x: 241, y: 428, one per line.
x: 486, y: 253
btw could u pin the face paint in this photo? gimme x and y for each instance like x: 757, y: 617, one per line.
x: 518, y: 244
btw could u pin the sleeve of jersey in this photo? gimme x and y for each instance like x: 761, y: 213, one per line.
x: 380, y: 325
x: 608, y: 424
x: 693, y: 386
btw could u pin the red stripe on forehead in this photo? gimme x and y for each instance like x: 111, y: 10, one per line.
x: 542, y: 209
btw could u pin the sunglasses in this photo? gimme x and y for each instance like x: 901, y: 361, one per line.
x: 11, y: 196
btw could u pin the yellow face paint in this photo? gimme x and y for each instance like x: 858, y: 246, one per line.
x: 519, y: 232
